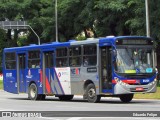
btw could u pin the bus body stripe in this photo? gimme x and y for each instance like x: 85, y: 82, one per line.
x: 125, y: 81
x: 48, y: 86
x: 55, y: 90
x: 41, y: 76
x: 59, y: 81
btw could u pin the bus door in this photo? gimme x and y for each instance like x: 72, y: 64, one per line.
x: 21, y: 65
x: 48, y: 71
x: 105, y: 69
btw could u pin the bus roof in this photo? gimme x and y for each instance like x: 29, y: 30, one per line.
x: 109, y: 39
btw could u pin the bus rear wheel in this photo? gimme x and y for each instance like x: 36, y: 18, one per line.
x: 91, y: 94
x: 33, y: 92
x: 126, y: 98
x: 66, y: 97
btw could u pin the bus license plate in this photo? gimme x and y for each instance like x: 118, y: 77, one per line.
x: 139, y: 89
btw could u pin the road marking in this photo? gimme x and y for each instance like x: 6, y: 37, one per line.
x: 75, y: 118
x: 50, y: 118
x: 12, y: 110
x: 100, y: 118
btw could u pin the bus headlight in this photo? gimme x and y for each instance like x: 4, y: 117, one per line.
x: 120, y: 82
x: 155, y: 80
x: 125, y: 84
x: 116, y: 79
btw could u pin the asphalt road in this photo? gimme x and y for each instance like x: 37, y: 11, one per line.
x: 76, y: 107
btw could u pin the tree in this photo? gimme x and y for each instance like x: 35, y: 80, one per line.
x: 99, y: 17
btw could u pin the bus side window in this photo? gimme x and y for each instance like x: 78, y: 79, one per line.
x: 34, y: 59
x: 62, y: 57
x: 10, y: 60
x: 85, y: 61
x: 89, y: 55
x: 75, y: 56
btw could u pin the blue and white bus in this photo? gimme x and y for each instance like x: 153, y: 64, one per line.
x: 94, y: 68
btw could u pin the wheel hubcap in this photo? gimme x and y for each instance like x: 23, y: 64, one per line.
x: 33, y: 92
x: 91, y: 93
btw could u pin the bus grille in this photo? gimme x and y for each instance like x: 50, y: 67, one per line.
x: 138, y: 83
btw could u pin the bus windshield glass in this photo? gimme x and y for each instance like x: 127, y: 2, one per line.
x: 134, y: 60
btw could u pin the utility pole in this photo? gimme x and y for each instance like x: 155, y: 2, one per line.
x: 56, y: 21
x: 147, y: 19
x: 148, y: 31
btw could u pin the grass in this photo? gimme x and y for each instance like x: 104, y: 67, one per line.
x: 1, y: 84
x: 149, y: 95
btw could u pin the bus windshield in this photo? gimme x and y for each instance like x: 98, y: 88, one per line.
x: 134, y: 60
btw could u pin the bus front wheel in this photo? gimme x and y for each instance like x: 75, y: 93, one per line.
x: 91, y: 94
x: 126, y: 98
x: 33, y: 92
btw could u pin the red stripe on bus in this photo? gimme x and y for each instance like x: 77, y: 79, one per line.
x: 125, y: 81
x: 129, y: 81
x: 113, y: 81
x: 48, y: 86
x: 41, y: 76
x: 77, y: 71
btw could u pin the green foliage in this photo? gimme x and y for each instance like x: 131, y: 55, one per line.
x: 1, y: 84
x: 3, y: 44
x: 102, y: 17
x: 80, y: 37
x: 22, y: 40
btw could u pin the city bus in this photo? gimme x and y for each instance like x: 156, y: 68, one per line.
x: 99, y: 67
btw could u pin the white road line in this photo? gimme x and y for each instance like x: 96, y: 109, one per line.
x: 100, y: 118
x: 1, y: 109
x: 50, y: 118
x: 75, y: 118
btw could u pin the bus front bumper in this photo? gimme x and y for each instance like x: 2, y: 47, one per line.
x: 122, y: 88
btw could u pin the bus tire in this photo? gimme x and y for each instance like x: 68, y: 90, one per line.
x: 126, y: 98
x: 66, y: 97
x: 91, y: 94
x: 33, y: 92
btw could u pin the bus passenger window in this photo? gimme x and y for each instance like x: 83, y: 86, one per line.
x: 34, y: 59
x: 75, y: 56
x: 62, y: 57
x: 10, y: 60
x: 85, y: 62
x: 61, y: 62
x: 75, y: 61
x: 38, y: 65
x: 89, y: 55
